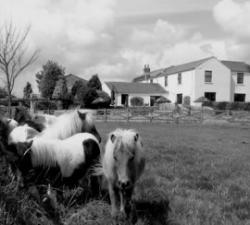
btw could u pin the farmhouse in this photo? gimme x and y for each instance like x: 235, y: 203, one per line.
x: 123, y: 92
x: 214, y: 79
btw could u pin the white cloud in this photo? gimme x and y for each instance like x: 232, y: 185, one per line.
x: 85, y: 38
x: 234, y: 17
x: 66, y: 31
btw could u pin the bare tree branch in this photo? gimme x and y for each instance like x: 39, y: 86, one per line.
x: 13, y: 54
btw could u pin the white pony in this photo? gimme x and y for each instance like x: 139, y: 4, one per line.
x: 69, y: 124
x: 12, y: 124
x: 21, y: 134
x: 71, y: 157
x: 122, y: 164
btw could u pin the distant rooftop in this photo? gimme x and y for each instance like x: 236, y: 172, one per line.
x: 232, y: 65
x: 135, y: 88
x: 71, y: 79
x: 237, y: 66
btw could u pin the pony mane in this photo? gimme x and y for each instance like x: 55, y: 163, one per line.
x: 123, y: 136
x: 44, y: 152
x: 66, y: 125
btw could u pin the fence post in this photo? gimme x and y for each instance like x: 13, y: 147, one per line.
x: 106, y: 115
x: 127, y: 114
x: 151, y: 115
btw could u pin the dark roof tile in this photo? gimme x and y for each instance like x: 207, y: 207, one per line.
x: 136, y: 88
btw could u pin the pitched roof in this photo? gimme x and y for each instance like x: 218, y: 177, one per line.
x: 183, y: 67
x: 71, y: 79
x: 173, y: 69
x: 237, y: 66
x: 152, y: 74
x: 136, y: 88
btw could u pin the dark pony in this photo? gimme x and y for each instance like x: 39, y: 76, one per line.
x: 22, y: 116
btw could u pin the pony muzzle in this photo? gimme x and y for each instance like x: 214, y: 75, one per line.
x: 123, y: 185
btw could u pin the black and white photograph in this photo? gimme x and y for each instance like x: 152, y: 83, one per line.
x: 118, y: 112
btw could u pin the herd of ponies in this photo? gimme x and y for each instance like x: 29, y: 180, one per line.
x: 59, y: 151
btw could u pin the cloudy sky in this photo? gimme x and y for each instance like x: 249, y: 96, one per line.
x: 115, y: 38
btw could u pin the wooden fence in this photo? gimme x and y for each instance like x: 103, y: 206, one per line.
x: 184, y: 115
x: 149, y: 114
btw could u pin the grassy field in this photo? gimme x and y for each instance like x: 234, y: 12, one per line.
x: 195, y: 175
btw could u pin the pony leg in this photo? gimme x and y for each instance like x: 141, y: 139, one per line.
x: 114, y: 200
x: 127, y: 207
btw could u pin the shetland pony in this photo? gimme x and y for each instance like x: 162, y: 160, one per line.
x: 56, y: 161
x: 69, y: 124
x: 22, y: 133
x: 122, y: 164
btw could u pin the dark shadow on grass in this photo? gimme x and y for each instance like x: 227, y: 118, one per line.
x: 153, y: 212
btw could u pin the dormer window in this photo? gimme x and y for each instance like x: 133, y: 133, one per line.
x: 240, y: 78
x: 208, y: 76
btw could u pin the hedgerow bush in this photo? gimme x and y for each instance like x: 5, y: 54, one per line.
x: 228, y: 105
x: 44, y: 105
x: 137, y: 101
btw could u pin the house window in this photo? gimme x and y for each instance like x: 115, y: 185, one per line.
x: 179, y: 78
x: 208, y: 76
x: 179, y: 98
x: 210, y: 96
x: 240, y: 78
x: 166, y: 81
x: 239, y: 97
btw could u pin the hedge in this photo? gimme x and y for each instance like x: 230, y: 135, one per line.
x: 229, y: 105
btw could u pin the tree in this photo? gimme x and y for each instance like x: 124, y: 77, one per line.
x: 89, y: 97
x: 13, y: 55
x: 47, y: 78
x: 3, y: 93
x: 61, y: 90
x: 95, y: 83
x: 27, y: 91
x: 76, y: 87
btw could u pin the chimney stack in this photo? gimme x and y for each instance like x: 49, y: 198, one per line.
x: 146, y: 71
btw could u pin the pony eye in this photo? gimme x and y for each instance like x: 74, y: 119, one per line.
x: 132, y: 157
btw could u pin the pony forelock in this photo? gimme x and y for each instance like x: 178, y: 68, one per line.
x: 123, y: 137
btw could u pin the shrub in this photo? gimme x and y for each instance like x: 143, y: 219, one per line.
x: 186, y: 101
x: 220, y: 105
x: 44, y: 105
x: 136, y: 101
x: 229, y: 105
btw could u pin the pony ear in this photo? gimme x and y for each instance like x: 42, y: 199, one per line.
x: 82, y: 115
x: 136, y: 137
x: 112, y: 138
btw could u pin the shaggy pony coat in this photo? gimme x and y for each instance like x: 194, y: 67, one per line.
x: 122, y: 164
x: 69, y: 124
x: 64, y: 161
